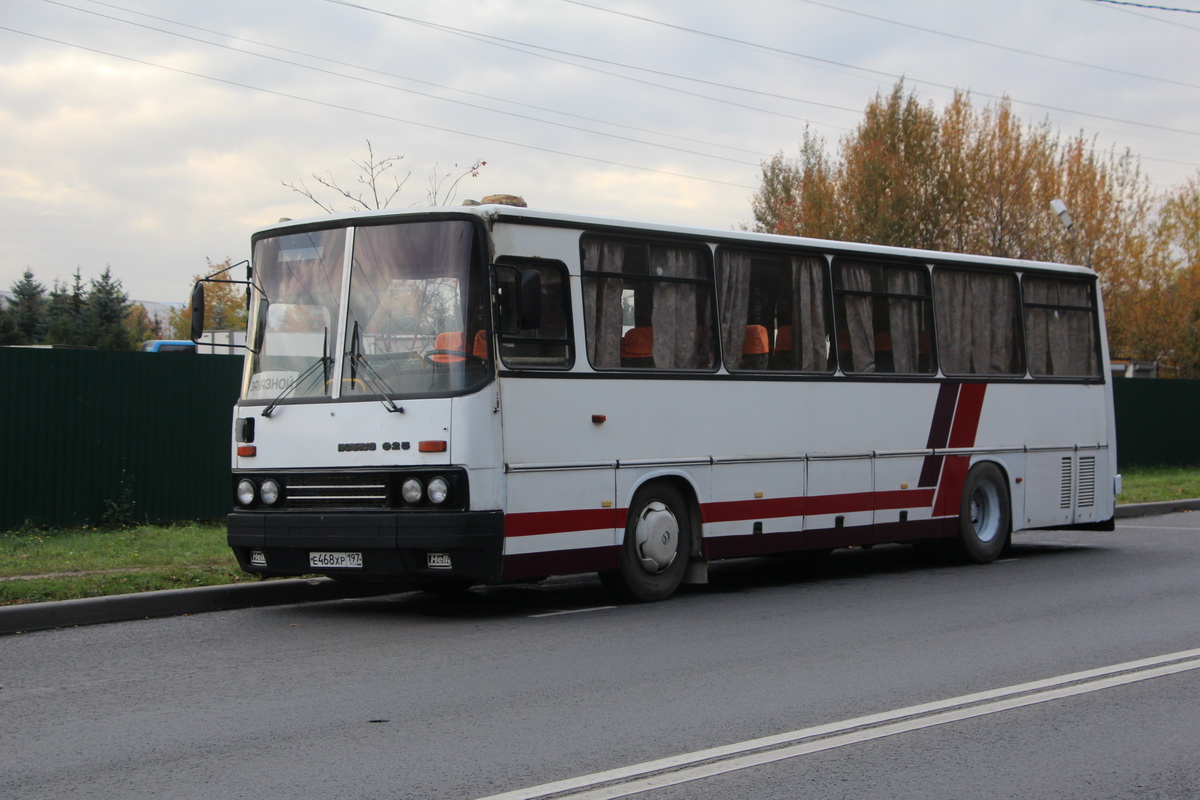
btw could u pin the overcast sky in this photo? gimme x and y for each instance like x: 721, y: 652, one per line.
x: 151, y: 135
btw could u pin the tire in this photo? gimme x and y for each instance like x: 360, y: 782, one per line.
x: 984, y: 514
x: 658, y: 538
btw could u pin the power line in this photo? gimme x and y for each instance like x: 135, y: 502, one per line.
x: 394, y: 75
x: 526, y: 48
x: 879, y: 73
x: 374, y: 114
x: 1145, y: 5
x: 1007, y: 48
x: 401, y: 89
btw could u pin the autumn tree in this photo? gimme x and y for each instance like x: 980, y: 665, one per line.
x: 224, y: 305
x: 1178, y: 245
x: 980, y: 181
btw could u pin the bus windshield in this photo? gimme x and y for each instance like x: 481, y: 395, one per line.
x: 414, y: 322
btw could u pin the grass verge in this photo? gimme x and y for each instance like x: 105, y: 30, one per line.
x: 43, y: 565
x: 1160, y: 484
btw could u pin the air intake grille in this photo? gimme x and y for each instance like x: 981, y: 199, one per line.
x: 1087, y: 482
x: 1064, y: 492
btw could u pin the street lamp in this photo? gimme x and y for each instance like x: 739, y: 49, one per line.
x: 1064, y: 216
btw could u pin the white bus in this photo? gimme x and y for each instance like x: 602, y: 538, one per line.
x: 488, y: 394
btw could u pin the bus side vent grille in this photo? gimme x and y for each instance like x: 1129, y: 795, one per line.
x: 1087, y: 482
x: 1064, y: 493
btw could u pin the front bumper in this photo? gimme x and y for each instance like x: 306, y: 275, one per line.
x: 395, y: 546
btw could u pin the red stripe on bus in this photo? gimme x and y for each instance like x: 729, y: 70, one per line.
x: 740, y: 510
x: 966, y: 415
x: 543, y: 522
x: 534, y: 523
x: 963, y: 433
x: 939, y: 432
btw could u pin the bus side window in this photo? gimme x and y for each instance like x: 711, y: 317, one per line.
x: 549, y: 345
x: 774, y: 311
x: 978, y: 322
x: 648, y: 304
x: 1061, y: 327
x: 884, y: 316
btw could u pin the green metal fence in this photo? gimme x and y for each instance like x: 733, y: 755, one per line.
x: 1158, y: 422
x: 147, y: 435
x: 87, y: 433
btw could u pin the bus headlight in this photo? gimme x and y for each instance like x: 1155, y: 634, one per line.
x: 439, y: 490
x: 245, y: 491
x: 269, y: 492
x: 412, y: 491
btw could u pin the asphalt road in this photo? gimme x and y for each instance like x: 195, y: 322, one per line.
x: 1066, y: 670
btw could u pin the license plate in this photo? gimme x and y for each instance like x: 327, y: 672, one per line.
x: 345, y: 560
x: 438, y: 560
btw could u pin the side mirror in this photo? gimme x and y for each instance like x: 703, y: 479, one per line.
x: 529, y: 299
x: 197, y: 312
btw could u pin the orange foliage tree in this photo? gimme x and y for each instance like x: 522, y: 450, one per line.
x: 224, y: 305
x: 980, y: 180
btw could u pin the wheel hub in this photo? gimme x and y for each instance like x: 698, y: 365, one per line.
x: 656, y: 537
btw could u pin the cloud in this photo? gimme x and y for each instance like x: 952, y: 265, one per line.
x: 169, y: 150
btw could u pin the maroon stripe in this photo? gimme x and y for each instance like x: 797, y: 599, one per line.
x: 939, y: 432
x: 962, y: 434
x: 538, y: 522
x: 739, y: 510
x: 966, y: 415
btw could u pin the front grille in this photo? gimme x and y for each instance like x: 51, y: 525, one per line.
x: 338, y: 490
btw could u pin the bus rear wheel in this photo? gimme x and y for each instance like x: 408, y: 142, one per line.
x: 984, y: 517
x: 657, y: 544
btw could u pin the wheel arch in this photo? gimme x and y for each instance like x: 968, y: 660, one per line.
x: 1015, y: 491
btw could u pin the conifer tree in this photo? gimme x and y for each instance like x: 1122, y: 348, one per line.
x: 65, y: 311
x: 28, y: 310
x: 107, y: 305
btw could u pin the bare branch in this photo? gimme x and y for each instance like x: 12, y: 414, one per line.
x: 438, y: 193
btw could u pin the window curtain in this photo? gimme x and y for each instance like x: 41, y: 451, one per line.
x: 734, y: 286
x: 904, y: 318
x: 810, y: 340
x: 602, y: 303
x: 977, y: 323
x: 1078, y: 332
x: 859, y: 319
x: 1060, y: 339
x: 956, y: 314
x: 676, y: 316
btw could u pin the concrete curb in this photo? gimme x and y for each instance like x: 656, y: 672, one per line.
x: 174, y: 602
x: 1127, y: 510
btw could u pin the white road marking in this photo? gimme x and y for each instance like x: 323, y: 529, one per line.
x: 686, y: 767
x: 1161, y: 528
x: 571, y: 611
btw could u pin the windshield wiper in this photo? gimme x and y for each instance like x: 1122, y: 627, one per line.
x: 372, y: 377
x: 324, y: 362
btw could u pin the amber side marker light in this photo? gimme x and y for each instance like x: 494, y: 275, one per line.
x: 432, y: 446
x: 246, y: 450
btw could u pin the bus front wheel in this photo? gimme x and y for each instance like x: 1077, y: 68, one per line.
x: 984, y: 518
x: 657, y: 544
